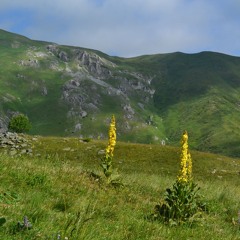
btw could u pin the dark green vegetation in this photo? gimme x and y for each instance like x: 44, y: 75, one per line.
x: 19, y: 123
x: 73, y: 91
x: 182, y: 204
x: 57, y: 190
x: 200, y: 93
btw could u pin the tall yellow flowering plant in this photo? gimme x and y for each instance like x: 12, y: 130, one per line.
x: 185, y: 174
x: 107, y: 160
x: 182, y: 201
x: 111, y: 137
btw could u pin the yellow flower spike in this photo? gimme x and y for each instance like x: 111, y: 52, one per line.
x: 185, y: 174
x: 111, y: 137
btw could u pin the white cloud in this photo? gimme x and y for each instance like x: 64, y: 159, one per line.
x: 131, y: 27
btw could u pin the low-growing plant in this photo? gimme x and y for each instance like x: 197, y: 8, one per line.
x: 36, y: 179
x: 182, y: 203
x: 20, y: 228
x: 2, y: 221
x: 25, y: 224
x: 76, y: 222
x: 9, y: 197
x: 62, y: 205
x: 87, y: 140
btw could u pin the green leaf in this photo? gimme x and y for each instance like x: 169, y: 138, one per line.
x: 2, y: 221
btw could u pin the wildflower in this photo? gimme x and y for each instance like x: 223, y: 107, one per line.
x: 185, y: 174
x: 111, y: 138
x: 107, y: 160
x: 25, y: 225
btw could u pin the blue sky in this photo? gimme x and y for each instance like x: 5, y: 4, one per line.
x: 128, y: 28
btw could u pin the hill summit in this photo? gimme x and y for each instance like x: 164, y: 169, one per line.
x: 73, y: 91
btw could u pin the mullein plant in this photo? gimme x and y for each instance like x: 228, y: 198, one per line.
x: 182, y: 203
x: 107, y: 160
x: 185, y: 174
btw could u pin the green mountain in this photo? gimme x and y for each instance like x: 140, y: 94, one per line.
x: 68, y: 91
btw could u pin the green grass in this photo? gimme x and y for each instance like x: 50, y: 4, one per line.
x: 53, y: 188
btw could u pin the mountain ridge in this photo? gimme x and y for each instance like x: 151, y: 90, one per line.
x: 68, y: 90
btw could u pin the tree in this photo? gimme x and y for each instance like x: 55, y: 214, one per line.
x: 19, y: 123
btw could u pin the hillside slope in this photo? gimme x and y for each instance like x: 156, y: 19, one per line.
x: 68, y: 90
x: 56, y: 189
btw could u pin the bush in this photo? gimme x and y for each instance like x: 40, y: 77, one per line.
x: 19, y: 123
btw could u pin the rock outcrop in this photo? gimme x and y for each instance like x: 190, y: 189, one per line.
x: 15, y: 144
x: 94, y: 64
x: 3, y: 125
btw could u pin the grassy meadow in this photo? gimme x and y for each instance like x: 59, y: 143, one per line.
x: 57, y: 190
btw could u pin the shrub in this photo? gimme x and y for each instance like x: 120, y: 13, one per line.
x: 19, y: 123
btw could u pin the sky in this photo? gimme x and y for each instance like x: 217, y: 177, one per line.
x: 128, y: 28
